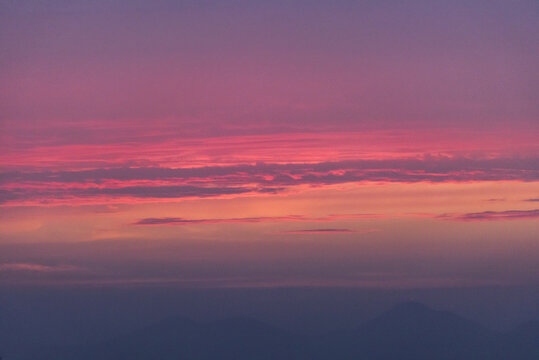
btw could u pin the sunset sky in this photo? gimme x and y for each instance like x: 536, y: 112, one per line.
x: 387, y: 144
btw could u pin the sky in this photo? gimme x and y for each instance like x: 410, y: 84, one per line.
x: 380, y: 144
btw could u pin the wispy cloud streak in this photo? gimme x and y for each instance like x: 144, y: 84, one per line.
x: 287, y: 218
x: 320, y: 231
x: 31, y: 267
x: 493, y: 215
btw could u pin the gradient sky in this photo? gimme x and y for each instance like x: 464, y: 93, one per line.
x: 269, y: 143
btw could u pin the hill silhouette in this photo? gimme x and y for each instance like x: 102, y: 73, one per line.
x: 408, y: 331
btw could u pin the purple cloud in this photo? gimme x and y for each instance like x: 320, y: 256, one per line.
x: 183, y: 221
x: 493, y: 215
x: 428, y: 169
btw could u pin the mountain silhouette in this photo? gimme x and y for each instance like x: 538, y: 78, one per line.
x: 408, y: 331
x: 412, y: 331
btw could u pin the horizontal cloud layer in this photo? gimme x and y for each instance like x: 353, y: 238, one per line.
x: 146, y: 183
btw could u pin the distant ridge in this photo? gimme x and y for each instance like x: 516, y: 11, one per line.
x: 408, y: 331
